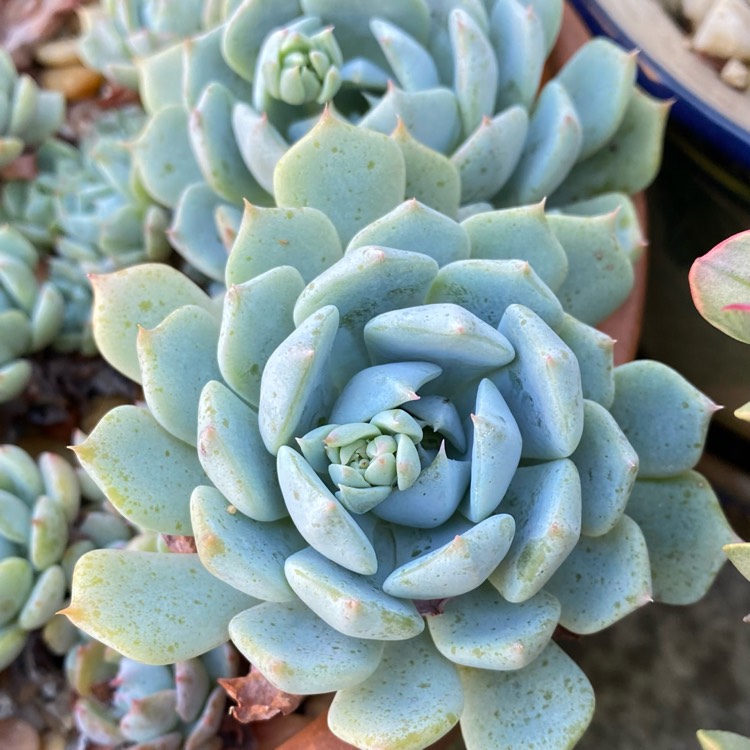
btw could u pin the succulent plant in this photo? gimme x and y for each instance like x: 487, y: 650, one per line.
x: 715, y: 739
x: 404, y: 465
x: 179, y: 706
x: 29, y: 114
x: 44, y: 529
x: 454, y: 83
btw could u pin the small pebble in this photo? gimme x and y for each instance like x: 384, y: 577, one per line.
x: 58, y: 53
x: 736, y: 74
x: 75, y: 82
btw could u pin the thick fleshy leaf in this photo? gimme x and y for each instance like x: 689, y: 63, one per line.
x: 418, y: 228
x: 232, y: 454
x: 163, y: 156
x: 716, y: 739
x: 458, y: 566
x: 599, y: 79
x: 522, y: 233
x: 353, y: 604
x: 61, y: 483
x: 367, y: 281
x: 137, y: 296
x: 363, y: 173
x: 410, y: 61
x: 517, y: 35
x: 475, y: 72
x: 177, y: 358
x: 293, y: 387
x: 546, y: 705
x: 15, y: 517
x: 212, y: 139
x: 16, y: 580
x: 607, y: 465
x: 542, y: 386
x: 48, y: 533
x: 20, y: 474
x: 319, y: 659
x: 594, y: 351
x: 487, y: 287
x: 739, y: 554
x: 303, y: 238
x: 603, y: 579
x: 545, y: 501
x: 12, y: 637
x: 720, y: 285
x: 185, y: 611
x: 431, y: 116
x: 432, y: 499
x: 552, y: 147
x: 248, y: 334
x: 247, y: 554
x: 442, y: 416
x: 413, y: 698
x: 321, y: 519
x: 145, y: 472
x: 495, y: 452
x: 431, y: 178
x: 499, y: 142
x: 662, y: 415
x: 685, y: 530
x: 631, y: 158
x: 160, y: 77
x: 600, y: 274
x: 481, y: 629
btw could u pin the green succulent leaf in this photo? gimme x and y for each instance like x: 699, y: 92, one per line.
x: 177, y: 358
x: 716, y: 739
x: 147, y: 473
x: 16, y: 580
x: 353, y: 604
x: 15, y: 517
x: 603, y: 579
x: 364, y: 173
x: 319, y: 657
x: 413, y: 698
x: 247, y: 554
x: 739, y: 554
x: 45, y: 598
x: 19, y: 473
x: 138, y: 296
x: 48, y: 534
x: 685, y: 530
x: 410, y: 61
x: 12, y: 637
x: 662, y: 415
x: 183, y: 608
x: 160, y: 78
x: 547, y: 705
x: 545, y: 501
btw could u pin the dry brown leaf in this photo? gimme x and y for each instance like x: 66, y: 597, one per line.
x: 25, y: 24
x: 257, y: 699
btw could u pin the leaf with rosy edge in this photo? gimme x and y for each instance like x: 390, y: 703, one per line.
x: 153, y: 607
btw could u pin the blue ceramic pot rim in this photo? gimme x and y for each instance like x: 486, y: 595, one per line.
x: 674, y: 72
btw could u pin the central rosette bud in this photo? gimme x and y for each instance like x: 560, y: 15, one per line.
x: 299, y: 67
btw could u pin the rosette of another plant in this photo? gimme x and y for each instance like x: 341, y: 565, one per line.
x: 180, y: 706
x: 456, y: 83
x: 44, y: 529
x: 403, y: 464
x: 29, y: 114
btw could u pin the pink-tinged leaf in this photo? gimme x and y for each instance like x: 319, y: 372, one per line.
x: 720, y: 285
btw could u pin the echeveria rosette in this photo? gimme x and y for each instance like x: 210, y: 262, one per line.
x: 459, y: 80
x: 45, y: 526
x: 169, y: 707
x: 28, y: 114
x: 531, y: 484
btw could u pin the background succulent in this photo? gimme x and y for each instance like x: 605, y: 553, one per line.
x: 403, y: 464
x: 177, y: 706
x: 28, y: 114
x: 44, y: 529
x: 456, y: 83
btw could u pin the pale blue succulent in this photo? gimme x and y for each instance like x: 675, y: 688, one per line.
x: 403, y: 463
x: 175, y: 707
x: 456, y: 83
x: 49, y: 517
x: 28, y: 114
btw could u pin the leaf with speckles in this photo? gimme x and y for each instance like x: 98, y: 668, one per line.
x: 417, y: 228
x: 603, y: 579
x: 177, y: 358
x: 685, y: 531
x: 545, y: 501
x: 663, y: 416
x: 145, y: 472
x: 138, y: 296
x: 184, y: 610
x: 547, y: 705
x: 363, y: 173
x: 318, y: 658
x: 413, y: 698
